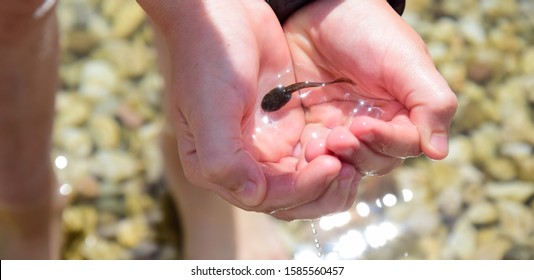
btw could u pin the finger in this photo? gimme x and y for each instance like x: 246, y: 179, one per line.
x: 428, y: 98
x: 289, y: 189
x: 398, y: 138
x: 353, y: 192
x: 313, y: 139
x: 359, y: 154
x: 339, y: 194
x: 432, y: 106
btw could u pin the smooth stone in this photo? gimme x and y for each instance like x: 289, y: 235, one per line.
x: 520, y: 252
x: 127, y: 19
x: 423, y: 221
x: 526, y: 167
x: 461, y: 243
x: 455, y: 73
x: 114, y: 165
x: 443, y: 30
x: 444, y: 176
x: 492, y: 250
x: 485, y: 141
x: 517, y: 150
x: 96, y: 248
x: 431, y: 246
x: 152, y: 160
x: 129, y: 117
x: 517, y: 221
x: 460, y: 150
x: 483, y: 65
x: 98, y: 80
x: 87, y: 186
x: 482, y: 213
x: 80, y: 219
x: 472, y: 30
x: 110, y: 8
x: 105, y: 131
x: 450, y: 202
x: 439, y: 52
x: 515, y: 191
x: 527, y: 61
x: 473, y: 193
x: 496, y: 9
x: 74, y: 141
x: 501, y: 169
x: 131, y: 60
x: 145, y: 250
x: 71, y: 109
x: 132, y: 231
x: 69, y: 74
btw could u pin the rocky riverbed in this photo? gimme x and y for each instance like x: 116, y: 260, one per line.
x: 476, y: 204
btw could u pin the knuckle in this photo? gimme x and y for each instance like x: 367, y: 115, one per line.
x: 445, y: 105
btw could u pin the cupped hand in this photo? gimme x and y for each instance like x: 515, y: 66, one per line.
x: 224, y: 55
x: 368, y: 42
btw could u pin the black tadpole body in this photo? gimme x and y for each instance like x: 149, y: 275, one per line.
x: 279, y: 96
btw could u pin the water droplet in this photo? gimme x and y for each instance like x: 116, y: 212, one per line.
x: 316, y: 240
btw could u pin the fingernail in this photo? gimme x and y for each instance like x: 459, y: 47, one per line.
x: 440, y: 142
x: 247, y: 194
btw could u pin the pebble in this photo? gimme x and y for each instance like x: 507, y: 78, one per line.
x: 105, y: 131
x: 502, y: 169
x: 450, y: 202
x: 81, y: 219
x: 517, y: 221
x: 114, y: 165
x: 517, y: 190
x: 96, y: 248
x: 74, y: 141
x: 72, y: 110
x: 472, y: 30
x: 127, y: 18
x: 461, y: 243
x: 492, y: 250
x: 98, y: 80
x: 132, y: 231
x: 482, y: 213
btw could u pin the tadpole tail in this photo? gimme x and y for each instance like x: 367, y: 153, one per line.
x: 307, y: 84
x: 341, y: 80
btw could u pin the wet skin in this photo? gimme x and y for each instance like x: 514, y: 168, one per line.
x: 279, y: 96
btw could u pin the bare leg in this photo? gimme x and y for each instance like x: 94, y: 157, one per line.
x: 213, y: 228
x: 29, y: 220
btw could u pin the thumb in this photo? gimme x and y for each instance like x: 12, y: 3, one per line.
x: 224, y: 162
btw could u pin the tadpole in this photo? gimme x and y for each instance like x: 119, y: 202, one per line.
x: 279, y: 96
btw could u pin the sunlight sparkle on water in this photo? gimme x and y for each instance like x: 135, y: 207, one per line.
x: 61, y: 162
x: 65, y: 189
x: 350, y: 245
x: 363, y: 209
x: 389, y: 200
x: 378, y: 203
x: 336, y: 220
x: 407, y: 195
